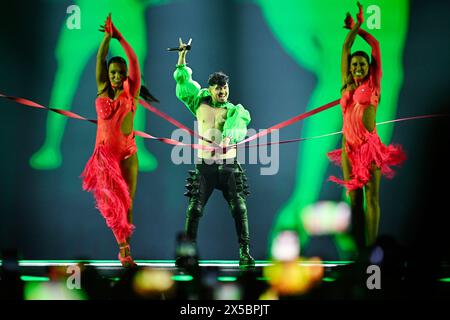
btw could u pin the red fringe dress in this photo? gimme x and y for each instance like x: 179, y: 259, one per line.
x: 102, y: 175
x: 364, y: 148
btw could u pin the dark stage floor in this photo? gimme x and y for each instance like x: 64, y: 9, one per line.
x: 223, y: 280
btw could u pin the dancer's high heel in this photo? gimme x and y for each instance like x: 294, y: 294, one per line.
x: 125, y: 259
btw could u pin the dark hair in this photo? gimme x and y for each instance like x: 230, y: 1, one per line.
x: 144, y: 92
x: 117, y: 59
x: 360, y: 54
x: 218, y: 78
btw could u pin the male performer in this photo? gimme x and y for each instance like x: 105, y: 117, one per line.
x: 224, y: 124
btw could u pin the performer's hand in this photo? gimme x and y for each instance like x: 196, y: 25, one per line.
x: 115, y: 33
x: 183, y: 49
x: 111, y: 29
x: 183, y: 46
x: 106, y: 28
x: 349, y: 23
x: 360, y: 14
x: 107, y: 35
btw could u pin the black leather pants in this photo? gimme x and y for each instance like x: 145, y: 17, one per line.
x: 231, y: 180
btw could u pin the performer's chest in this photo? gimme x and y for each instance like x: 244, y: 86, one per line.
x: 209, y: 117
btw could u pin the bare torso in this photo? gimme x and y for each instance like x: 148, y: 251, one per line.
x: 210, y: 126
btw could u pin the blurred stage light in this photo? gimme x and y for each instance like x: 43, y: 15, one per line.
x: 326, y: 217
x: 286, y: 246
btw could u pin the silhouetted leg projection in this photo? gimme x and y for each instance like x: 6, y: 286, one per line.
x: 68, y: 73
x: 73, y: 51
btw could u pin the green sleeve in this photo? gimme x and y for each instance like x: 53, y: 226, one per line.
x: 187, y: 90
x: 235, y: 126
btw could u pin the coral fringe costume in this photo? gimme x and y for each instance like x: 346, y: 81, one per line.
x: 364, y: 148
x: 103, y: 175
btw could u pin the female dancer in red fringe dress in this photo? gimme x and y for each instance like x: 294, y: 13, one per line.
x: 111, y: 172
x: 363, y: 156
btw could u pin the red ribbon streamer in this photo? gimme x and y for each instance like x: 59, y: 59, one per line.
x: 166, y: 117
x: 291, y: 121
x: 339, y: 132
x: 178, y: 124
x: 73, y: 115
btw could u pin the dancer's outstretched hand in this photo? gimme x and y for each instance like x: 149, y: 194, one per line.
x: 360, y: 14
x: 349, y: 22
x: 110, y: 28
x: 106, y: 27
x: 115, y: 33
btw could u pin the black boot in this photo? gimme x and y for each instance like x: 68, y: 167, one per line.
x: 245, y: 259
x: 187, y: 246
x: 186, y: 253
x: 241, y: 222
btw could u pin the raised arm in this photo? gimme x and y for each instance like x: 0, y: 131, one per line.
x: 183, y: 50
x: 348, y: 43
x: 187, y: 90
x: 101, y: 69
x: 375, y: 65
x: 134, y: 72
